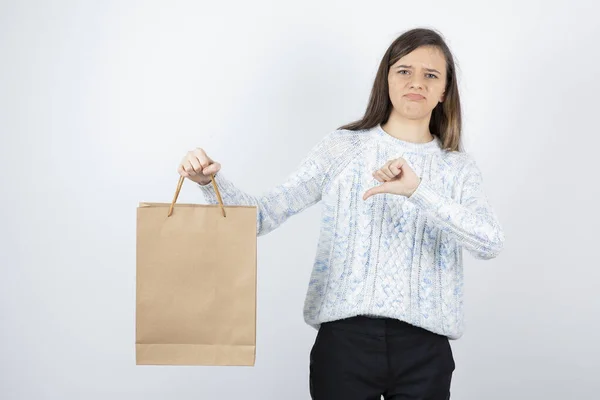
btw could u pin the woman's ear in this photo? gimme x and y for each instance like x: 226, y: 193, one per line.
x: 443, y: 97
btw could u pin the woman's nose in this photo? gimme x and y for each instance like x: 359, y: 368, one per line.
x: 416, y: 83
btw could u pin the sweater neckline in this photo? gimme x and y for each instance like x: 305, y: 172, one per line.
x: 428, y: 147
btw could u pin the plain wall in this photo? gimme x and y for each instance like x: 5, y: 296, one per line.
x: 99, y: 101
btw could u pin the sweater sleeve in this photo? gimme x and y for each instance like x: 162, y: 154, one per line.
x: 472, y: 220
x: 300, y: 190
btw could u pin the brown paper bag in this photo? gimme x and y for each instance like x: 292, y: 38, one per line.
x: 195, y: 284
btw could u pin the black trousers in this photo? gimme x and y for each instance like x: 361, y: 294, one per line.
x: 364, y: 358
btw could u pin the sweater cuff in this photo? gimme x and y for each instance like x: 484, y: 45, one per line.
x: 425, y: 196
x: 209, y: 193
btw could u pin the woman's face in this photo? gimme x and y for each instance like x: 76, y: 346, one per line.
x: 417, y: 82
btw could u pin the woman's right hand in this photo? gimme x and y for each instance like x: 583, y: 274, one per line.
x: 198, y: 167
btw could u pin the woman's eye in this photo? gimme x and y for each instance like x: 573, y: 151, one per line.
x: 432, y: 76
x: 403, y: 71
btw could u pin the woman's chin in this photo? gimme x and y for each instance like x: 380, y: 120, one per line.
x: 415, y: 114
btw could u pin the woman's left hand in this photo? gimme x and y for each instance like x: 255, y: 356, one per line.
x: 397, y: 177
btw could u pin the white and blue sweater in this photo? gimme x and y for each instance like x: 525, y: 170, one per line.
x: 390, y: 255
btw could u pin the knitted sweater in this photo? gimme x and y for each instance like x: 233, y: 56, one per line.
x: 390, y: 256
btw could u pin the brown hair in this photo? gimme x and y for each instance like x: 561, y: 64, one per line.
x: 446, y: 121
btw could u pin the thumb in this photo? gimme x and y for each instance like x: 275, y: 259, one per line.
x: 373, y: 191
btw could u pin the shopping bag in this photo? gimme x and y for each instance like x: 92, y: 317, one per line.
x: 195, y: 283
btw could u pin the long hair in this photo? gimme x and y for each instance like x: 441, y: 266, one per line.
x: 446, y: 120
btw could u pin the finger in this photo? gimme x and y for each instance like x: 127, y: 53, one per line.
x: 187, y: 167
x: 398, y: 163
x: 394, y: 169
x: 378, y: 176
x: 373, y: 191
x: 182, y: 172
x: 195, y: 163
x: 212, y: 169
x: 381, y: 176
x: 202, y: 157
x: 387, y: 176
x: 387, y: 170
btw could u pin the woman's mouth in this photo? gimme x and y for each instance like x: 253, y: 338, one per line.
x: 414, y: 96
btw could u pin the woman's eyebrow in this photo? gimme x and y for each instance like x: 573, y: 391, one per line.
x: 426, y: 69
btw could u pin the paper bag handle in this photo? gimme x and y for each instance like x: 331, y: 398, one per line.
x: 180, y: 184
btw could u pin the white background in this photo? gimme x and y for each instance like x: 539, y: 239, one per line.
x: 99, y: 100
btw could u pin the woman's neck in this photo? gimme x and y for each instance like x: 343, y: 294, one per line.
x: 414, y: 131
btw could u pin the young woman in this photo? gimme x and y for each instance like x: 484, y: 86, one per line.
x: 401, y: 201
